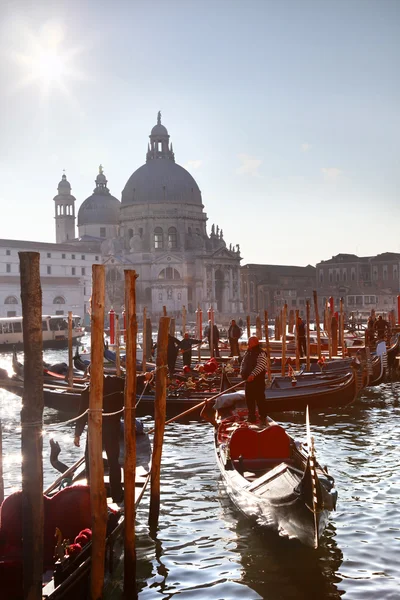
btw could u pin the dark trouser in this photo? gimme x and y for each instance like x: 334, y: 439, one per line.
x: 234, y: 344
x: 255, y: 396
x: 187, y: 358
x: 111, y: 434
x: 216, y: 349
x: 302, y: 346
x: 171, y: 360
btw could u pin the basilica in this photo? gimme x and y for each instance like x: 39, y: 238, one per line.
x: 158, y: 228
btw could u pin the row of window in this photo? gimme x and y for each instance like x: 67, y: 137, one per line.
x: 48, y: 255
x: 48, y: 269
x: 14, y: 300
x: 337, y: 275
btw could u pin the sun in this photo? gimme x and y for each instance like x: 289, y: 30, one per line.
x: 49, y: 66
x: 46, y: 63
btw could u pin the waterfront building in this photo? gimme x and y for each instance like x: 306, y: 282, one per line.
x: 364, y: 283
x: 159, y: 229
x: 65, y: 272
x: 269, y: 287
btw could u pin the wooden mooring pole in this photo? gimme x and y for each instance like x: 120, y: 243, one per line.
x: 1, y: 466
x: 117, y: 347
x: 98, y: 498
x: 200, y: 331
x: 149, y: 344
x: 144, y: 340
x: 160, y: 414
x: 130, y: 436
x: 248, y: 326
x: 317, y: 323
x: 308, y: 366
x: 341, y: 329
x: 267, y: 346
x: 70, y: 360
x: 258, y: 327
x: 297, y: 340
x: 284, y: 316
x: 183, y: 320
x: 31, y: 424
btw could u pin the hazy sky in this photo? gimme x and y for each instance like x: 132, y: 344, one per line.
x: 286, y: 112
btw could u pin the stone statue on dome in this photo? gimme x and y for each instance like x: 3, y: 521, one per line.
x: 100, y: 169
x: 159, y: 117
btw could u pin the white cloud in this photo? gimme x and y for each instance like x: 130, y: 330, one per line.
x: 193, y: 164
x: 305, y: 147
x: 249, y: 165
x: 331, y: 173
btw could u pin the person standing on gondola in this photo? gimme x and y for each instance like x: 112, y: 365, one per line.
x: 234, y: 333
x: 172, y: 353
x: 186, y: 347
x: 252, y: 370
x: 113, y: 402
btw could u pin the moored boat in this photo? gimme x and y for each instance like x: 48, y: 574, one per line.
x: 273, y: 480
x: 54, y: 332
x: 67, y: 531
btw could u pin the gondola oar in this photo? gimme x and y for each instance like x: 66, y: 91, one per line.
x: 189, y: 410
x: 313, y: 476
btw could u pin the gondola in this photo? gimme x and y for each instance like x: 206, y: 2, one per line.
x: 273, y: 480
x: 326, y: 395
x: 66, y: 514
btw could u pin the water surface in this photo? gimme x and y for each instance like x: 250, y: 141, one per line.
x: 205, y: 549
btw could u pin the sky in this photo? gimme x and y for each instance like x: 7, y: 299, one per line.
x: 286, y: 112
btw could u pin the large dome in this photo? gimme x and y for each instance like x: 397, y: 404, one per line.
x: 100, y: 208
x: 161, y: 180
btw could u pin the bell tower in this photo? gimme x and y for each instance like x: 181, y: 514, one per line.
x: 64, y: 204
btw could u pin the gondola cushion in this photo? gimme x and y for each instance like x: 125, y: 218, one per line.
x: 272, y: 442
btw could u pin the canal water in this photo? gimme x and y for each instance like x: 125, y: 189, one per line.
x: 205, y: 549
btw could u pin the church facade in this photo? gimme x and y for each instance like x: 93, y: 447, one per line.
x: 159, y: 228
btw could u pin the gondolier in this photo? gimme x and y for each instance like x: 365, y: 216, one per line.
x: 186, y: 347
x: 113, y: 402
x: 253, y: 369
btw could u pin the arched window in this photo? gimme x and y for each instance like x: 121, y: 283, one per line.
x: 130, y: 233
x: 172, y: 238
x: 158, y: 238
x: 59, y: 300
x: 113, y: 274
x: 169, y: 273
x: 11, y: 300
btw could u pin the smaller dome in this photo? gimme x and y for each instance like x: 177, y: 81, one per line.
x: 64, y: 186
x: 100, y: 208
x: 159, y: 130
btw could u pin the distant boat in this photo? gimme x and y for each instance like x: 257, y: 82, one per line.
x: 54, y: 332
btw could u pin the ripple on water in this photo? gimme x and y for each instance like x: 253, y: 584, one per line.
x: 204, y: 548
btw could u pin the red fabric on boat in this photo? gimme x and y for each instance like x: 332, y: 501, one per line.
x: 244, y: 443
x: 69, y: 510
x: 273, y: 442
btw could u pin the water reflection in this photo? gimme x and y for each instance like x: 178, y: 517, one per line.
x: 278, y: 568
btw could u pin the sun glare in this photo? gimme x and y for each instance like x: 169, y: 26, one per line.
x: 45, y: 63
x: 49, y: 66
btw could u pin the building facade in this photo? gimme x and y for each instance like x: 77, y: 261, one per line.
x: 363, y: 282
x: 159, y: 229
x: 65, y: 272
x: 269, y: 287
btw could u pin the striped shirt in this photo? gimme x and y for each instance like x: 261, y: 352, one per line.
x: 261, y: 364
